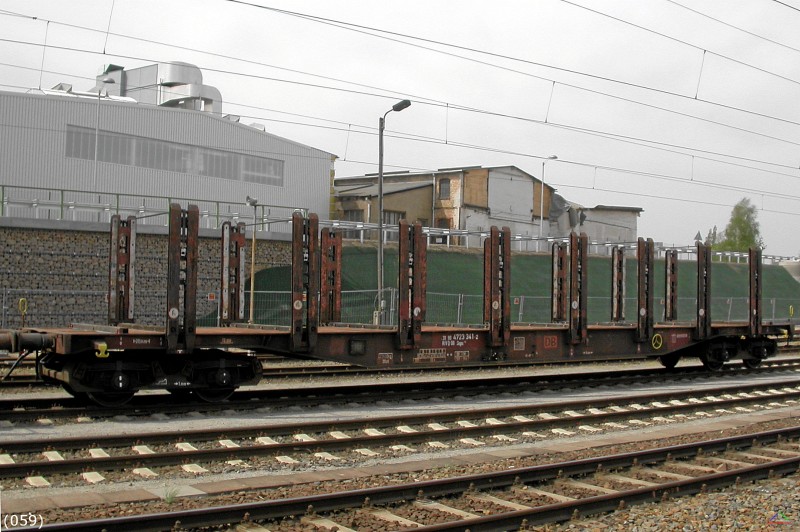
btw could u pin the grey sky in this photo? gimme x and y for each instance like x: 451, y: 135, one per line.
x: 722, y: 105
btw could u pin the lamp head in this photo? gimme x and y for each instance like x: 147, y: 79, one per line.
x: 252, y: 201
x: 399, y: 106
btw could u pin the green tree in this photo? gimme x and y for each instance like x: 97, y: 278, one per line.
x: 711, y: 237
x: 742, y: 231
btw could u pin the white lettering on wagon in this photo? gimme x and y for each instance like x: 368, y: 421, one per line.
x: 458, y: 339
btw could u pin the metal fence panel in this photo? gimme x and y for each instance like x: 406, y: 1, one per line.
x: 60, y: 308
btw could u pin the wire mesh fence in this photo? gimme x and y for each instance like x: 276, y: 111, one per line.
x: 61, y: 308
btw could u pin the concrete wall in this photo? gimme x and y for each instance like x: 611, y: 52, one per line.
x: 61, y: 269
x: 416, y: 204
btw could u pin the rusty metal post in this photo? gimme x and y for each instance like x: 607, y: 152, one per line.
x: 405, y: 336
x: 497, y: 286
x: 121, y: 274
x: 412, y: 282
x: 755, y: 314
x: 644, y: 318
x: 225, y: 275
x: 703, y: 325
x: 505, y: 284
x: 489, y: 292
x: 671, y: 285
x: 231, y: 291
x: 578, y: 289
x: 559, y: 295
x: 330, y: 298
x: 192, y: 229
x: 182, y: 278
x: 420, y: 280
x: 173, y: 323
x: 305, y: 282
x: 617, y: 283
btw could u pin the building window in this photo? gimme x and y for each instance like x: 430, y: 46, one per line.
x: 353, y: 215
x: 390, y: 220
x: 393, y: 217
x: 444, y: 189
x: 156, y: 154
x: 80, y: 143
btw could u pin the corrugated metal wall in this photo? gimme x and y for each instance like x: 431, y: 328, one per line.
x: 511, y: 200
x: 33, y: 137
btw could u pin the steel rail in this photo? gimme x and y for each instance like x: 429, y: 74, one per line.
x: 330, y: 370
x: 38, y: 445
x: 18, y: 410
x: 277, y: 509
x: 77, y: 465
x: 566, y: 511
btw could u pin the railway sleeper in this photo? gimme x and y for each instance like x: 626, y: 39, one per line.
x: 209, y: 376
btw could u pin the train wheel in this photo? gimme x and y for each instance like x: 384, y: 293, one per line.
x: 711, y: 364
x: 110, y: 399
x: 214, y: 395
x: 751, y: 363
x: 669, y: 361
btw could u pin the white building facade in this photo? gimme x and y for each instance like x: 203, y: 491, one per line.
x: 82, y: 156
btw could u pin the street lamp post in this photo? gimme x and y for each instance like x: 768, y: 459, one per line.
x: 105, y: 81
x: 253, y: 202
x: 541, y: 197
x: 399, y: 106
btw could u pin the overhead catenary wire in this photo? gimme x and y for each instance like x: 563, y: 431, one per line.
x: 665, y: 177
x: 568, y: 127
x: 786, y: 5
x: 473, y: 110
x: 687, y: 43
x: 728, y: 24
x: 654, y: 196
x: 366, y: 30
x: 522, y: 154
x: 623, y: 171
x: 423, y: 99
x: 621, y: 138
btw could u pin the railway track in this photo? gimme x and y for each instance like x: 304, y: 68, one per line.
x: 514, y: 498
x: 65, y: 408
x: 274, y: 447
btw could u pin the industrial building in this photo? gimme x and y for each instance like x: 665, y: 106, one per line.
x: 145, y: 137
x: 141, y: 139
x: 463, y: 203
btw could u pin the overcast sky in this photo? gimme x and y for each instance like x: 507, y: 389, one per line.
x: 679, y: 107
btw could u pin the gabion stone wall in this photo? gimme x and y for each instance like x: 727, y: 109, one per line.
x: 63, y: 275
